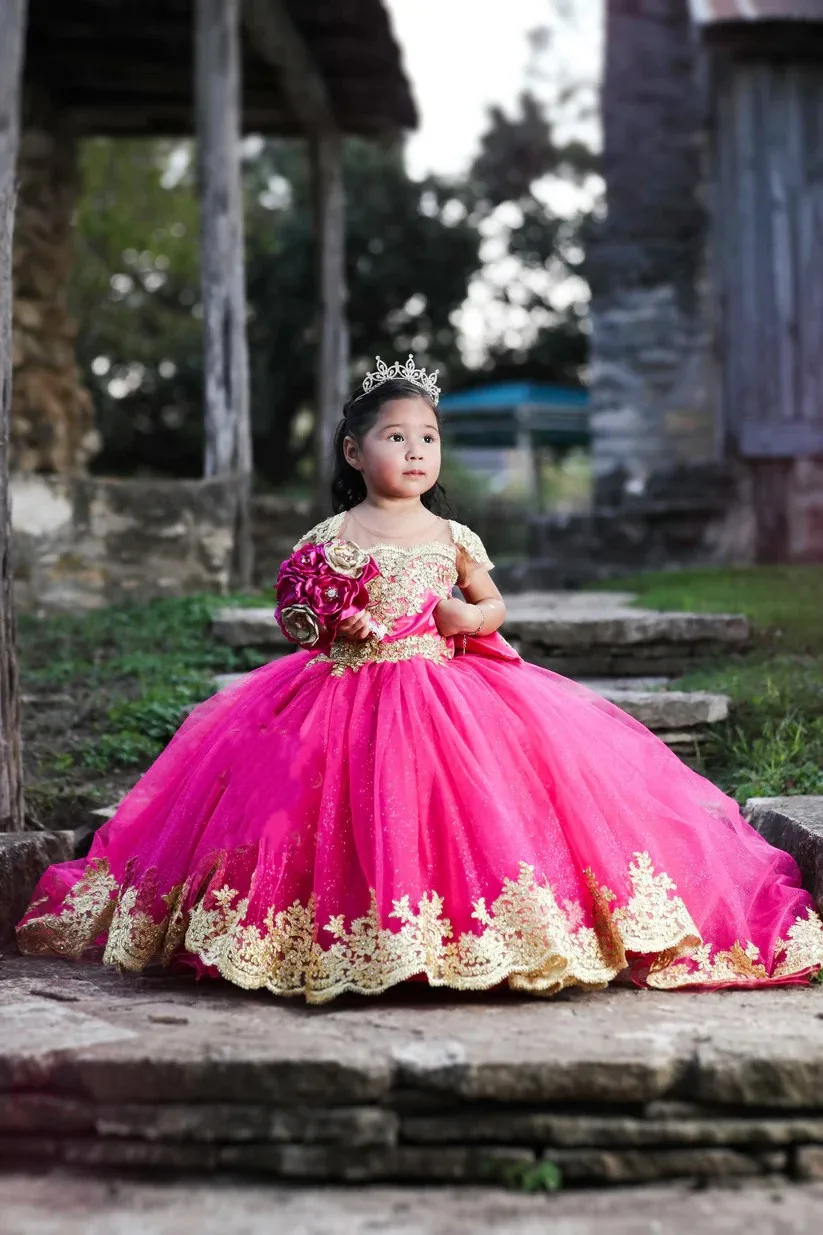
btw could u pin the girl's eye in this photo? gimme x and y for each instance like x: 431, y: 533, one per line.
x: 395, y: 437
x: 430, y: 437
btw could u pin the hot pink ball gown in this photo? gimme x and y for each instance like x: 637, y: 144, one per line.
x: 345, y: 821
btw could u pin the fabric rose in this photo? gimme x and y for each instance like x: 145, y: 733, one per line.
x: 318, y: 587
x: 300, y: 624
x: 346, y: 558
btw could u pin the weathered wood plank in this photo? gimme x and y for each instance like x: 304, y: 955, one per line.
x: 217, y: 100
x: 281, y: 44
x: 769, y: 227
x: 744, y: 332
x: 773, y: 439
x: 333, y: 350
x: 779, y: 209
x: 810, y: 252
x: 12, y: 28
x: 724, y: 243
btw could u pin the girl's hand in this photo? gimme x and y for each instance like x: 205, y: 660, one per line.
x: 355, y: 629
x: 455, y: 617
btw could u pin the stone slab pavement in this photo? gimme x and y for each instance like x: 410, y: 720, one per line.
x: 171, y: 1039
x: 58, y: 1204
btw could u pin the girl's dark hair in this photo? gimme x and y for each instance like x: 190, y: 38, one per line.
x: 359, y: 415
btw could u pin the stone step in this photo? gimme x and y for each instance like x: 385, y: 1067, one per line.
x: 665, y: 710
x: 23, y: 858
x: 795, y: 824
x: 154, y: 1073
x: 602, y: 634
x: 574, y: 619
x: 256, y: 627
x: 34, y: 1204
x: 584, y: 634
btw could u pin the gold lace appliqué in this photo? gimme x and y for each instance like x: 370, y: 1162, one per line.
x: 409, y: 575
x: 86, y: 914
x: 471, y: 545
x: 525, y: 936
x: 653, y: 915
x: 135, y: 934
x: 325, y: 530
x: 344, y: 655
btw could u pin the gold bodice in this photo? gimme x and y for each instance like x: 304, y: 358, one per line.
x: 412, y: 581
x: 411, y: 575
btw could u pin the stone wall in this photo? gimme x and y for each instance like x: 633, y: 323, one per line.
x: 685, y: 515
x: 81, y: 542
x: 651, y: 377
x: 52, y: 417
x: 652, y: 399
x: 277, y: 524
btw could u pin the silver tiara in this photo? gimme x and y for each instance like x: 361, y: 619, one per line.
x: 384, y: 373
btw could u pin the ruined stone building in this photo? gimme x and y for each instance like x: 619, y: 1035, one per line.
x: 707, y: 375
x: 172, y: 68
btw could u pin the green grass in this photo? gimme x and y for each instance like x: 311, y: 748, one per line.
x: 774, y: 742
x: 784, y: 602
x: 115, y: 684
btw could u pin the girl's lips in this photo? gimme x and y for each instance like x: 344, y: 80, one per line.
x: 415, y: 472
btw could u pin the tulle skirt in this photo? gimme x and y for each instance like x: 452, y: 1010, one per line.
x: 470, y: 823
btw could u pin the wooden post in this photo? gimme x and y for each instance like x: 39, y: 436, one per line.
x: 227, y: 413
x: 278, y: 41
x: 332, y: 328
x: 12, y: 42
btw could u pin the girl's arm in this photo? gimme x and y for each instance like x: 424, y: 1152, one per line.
x: 482, y: 611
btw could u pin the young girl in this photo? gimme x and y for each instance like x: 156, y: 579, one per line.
x: 424, y: 804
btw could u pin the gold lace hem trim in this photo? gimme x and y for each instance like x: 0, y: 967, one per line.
x: 343, y: 655
x: 526, y: 937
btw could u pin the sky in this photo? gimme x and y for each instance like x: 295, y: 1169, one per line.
x: 462, y: 56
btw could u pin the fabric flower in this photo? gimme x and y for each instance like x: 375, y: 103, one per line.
x: 318, y: 587
x: 346, y: 558
x: 300, y: 625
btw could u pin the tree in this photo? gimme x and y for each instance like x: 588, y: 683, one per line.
x: 135, y: 292
x: 509, y: 197
x: 12, y: 29
x: 409, y: 261
x: 413, y: 249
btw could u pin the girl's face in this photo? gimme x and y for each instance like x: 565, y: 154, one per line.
x: 400, y: 454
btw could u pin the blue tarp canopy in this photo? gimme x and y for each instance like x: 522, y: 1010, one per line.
x: 500, y: 414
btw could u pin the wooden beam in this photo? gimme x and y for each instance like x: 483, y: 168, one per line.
x: 217, y: 102
x: 333, y: 334
x: 12, y: 42
x: 278, y: 41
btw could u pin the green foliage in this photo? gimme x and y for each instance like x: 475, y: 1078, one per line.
x: 135, y: 292
x: 773, y: 744
x: 785, y: 756
x: 132, y: 671
x: 544, y: 1176
x: 412, y: 250
x: 409, y: 263
x: 785, y: 603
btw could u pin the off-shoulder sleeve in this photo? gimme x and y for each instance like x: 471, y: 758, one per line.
x: 321, y: 532
x: 471, y: 553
